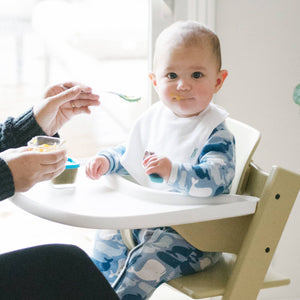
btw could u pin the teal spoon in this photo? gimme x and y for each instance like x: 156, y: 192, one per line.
x: 153, y: 177
x: 156, y: 178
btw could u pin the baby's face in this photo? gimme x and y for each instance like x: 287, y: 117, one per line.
x: 186, y: 79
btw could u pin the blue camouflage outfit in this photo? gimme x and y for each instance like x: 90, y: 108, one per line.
x: 161, y: 254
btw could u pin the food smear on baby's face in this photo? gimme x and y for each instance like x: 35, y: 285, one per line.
x: 176, y: 97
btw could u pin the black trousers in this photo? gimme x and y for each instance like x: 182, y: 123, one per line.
x: 56, y: 272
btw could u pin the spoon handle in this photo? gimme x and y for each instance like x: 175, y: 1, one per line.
x: 126, y: 98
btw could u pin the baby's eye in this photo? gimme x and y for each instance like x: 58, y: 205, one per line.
x: 172, y: 75
x: 197, y: 75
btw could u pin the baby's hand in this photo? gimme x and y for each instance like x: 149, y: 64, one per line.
x: 160, y: 165
x: 97, y: 167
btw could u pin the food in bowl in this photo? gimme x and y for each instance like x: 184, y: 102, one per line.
x: 68, y: 176
x: 45, y: 143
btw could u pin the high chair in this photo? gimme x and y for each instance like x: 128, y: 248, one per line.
x: 248, y: 242
x: 246, y: 225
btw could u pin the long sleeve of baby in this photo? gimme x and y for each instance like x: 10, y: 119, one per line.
x: 214, y: 171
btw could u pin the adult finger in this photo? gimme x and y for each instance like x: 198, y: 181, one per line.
x: 87, y: 96
x: 84, y: 103
x: 54, y: 167
x: 52, y: 174
x: 80, y: 110
x: 48, y: 158
x: 65, y: 96
x: 71, y: 84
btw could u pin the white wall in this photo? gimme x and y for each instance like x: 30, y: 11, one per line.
x: 261, y: 49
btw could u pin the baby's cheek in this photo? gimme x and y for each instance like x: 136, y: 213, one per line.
x: 164, y: 91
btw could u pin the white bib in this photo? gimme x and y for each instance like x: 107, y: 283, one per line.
x: 160, y: 131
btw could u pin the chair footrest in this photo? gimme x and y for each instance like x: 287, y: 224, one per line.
x: 212, y: 282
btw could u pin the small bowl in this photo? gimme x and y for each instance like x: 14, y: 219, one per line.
x: 68, y: 177
x: 45, y: 143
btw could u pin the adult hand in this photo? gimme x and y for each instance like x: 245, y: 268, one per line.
x: 29, y: 167
x: 61, y: 103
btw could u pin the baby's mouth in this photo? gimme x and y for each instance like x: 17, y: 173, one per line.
x: 175, y: 97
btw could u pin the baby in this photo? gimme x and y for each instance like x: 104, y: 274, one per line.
x: 179, y: 144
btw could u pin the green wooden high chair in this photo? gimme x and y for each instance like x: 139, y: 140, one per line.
x: 248, y: 242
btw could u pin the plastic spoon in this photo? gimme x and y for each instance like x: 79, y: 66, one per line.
x: 125, y: 97
x: 153, y: 177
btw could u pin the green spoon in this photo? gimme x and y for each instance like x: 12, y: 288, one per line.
x: 125, y: 97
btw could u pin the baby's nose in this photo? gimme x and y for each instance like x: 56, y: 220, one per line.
x: 183, y: 85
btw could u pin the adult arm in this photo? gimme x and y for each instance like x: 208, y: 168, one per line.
x: 52, y: 272
x: 61, y: 103
x: 7, y: 188
x: 16, y: 132
x: 20, y: 169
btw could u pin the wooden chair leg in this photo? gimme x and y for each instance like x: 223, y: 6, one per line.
x: 261, y: 240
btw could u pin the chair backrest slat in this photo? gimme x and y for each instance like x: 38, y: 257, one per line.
x: 246, y: 141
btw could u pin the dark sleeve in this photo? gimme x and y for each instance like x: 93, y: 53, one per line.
x: 16, y: 132
x: 52, y: 272
x: 7, y: 187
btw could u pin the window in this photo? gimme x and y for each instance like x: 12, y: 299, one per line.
x: 44, y: 42
x: 105, y: 44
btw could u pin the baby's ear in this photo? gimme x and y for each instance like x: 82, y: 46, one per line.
x: 152, y: 77
x: 220, y: 79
